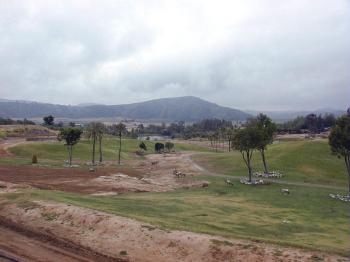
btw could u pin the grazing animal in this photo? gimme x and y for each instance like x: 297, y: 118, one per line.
x: 229, y: 182
x: 285, y: 191
x: 154, y: 163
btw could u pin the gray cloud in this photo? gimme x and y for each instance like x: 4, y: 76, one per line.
x: 247, y: 54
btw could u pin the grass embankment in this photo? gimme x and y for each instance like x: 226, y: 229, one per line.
x: 306, y: 218
x: 301, y: 161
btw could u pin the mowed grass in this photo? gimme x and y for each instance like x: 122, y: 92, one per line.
x: 81, y: 151
x: 302, y: 161
x: 306, y: 218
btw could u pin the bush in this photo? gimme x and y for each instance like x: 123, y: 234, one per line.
x: 34, y: 159
x: 143, y: 146
x: 169, y: 146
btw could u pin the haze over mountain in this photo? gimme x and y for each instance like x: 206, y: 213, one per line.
x: 187, y: 108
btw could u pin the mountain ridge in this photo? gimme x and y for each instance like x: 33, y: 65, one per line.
x: 185, y: 108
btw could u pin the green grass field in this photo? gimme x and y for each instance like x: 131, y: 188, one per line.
x: 81, y: 151
x: 306, y: 218
x: 56, y: 151
x: 301, y: 161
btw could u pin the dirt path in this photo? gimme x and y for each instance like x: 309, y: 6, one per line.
x: 9, y: 142
x: 17, y: 244
x: 281, y: 182
x: 84, y: 230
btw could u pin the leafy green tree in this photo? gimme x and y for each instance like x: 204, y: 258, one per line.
x: 246, y: 141
x: 266, y: 130
x: 339, y: 141
x: 48, y: 120
x: 143, y: 146
x: 71, y: 136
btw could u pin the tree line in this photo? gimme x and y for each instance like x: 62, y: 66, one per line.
x: 9, y: 121
x: 312, y: 123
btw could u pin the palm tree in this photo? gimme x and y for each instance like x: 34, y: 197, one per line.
x: 118, y: 130
x: 92, y: 131
x: 100, y: 132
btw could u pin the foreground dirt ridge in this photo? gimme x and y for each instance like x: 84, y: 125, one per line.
x: 99, y: 236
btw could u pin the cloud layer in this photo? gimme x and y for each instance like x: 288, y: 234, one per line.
x: 254, y: 54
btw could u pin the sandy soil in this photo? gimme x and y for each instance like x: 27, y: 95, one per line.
x: 124, y: 238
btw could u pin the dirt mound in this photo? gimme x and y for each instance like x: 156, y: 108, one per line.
x: 119, y: 237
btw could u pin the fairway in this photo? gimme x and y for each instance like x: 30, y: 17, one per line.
x: 300, y: 161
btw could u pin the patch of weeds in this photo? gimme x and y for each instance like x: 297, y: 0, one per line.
x: 27, y: 205
x: 123, y: 253
x: 150, y: 228
x: 247, y: 246
x: 49, y: 216
x: 221, y: 242
x: 316, y: 258
x: 277, y: 253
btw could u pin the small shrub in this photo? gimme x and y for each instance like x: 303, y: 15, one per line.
x: 49, y: 216
x: 143, y: 146
x: 34, y: 159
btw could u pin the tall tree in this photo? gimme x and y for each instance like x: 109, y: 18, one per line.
x: 101, y: 129
x: 339, y: 141
x: 266, y: 130
x: 92, y: 131
x: 71, y: 136
x: 120, y: 129
x: 246, y: 141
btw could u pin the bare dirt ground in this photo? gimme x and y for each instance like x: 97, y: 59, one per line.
x: 153, y: 174
x: 122, y: 238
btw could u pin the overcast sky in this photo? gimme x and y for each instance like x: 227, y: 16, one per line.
x: 251, y: 54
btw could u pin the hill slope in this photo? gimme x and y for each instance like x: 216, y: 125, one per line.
x: 186, y: 108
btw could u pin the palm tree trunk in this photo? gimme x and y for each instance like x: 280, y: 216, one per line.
x: 70, y: 154
x: 120, y: 148
x: 264, y: 160
x: 100, y: 145
x: 93, y: 149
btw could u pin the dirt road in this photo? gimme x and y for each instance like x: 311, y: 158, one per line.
x: 17, y: 244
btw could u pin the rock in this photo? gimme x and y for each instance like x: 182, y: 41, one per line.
x: 205, y: 184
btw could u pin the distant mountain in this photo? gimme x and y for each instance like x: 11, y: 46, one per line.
x: 186, y: 108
